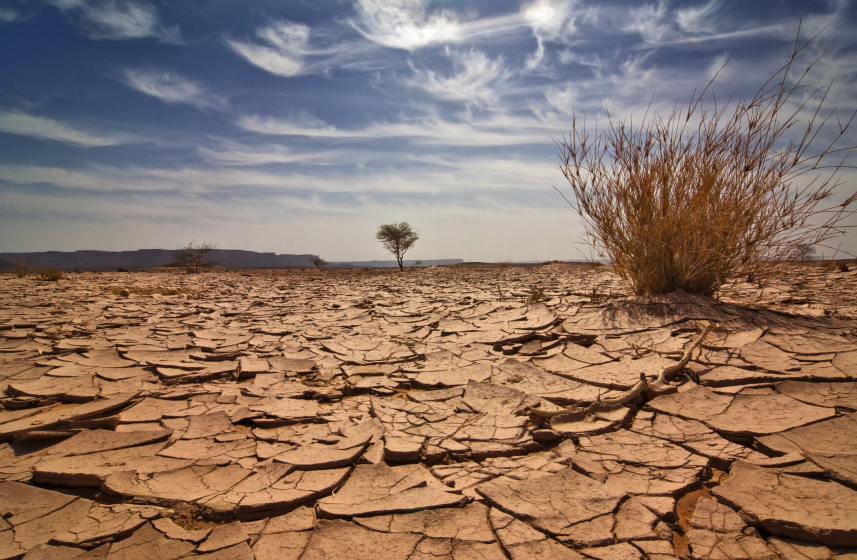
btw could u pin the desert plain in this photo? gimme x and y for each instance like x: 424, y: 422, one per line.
x: 439, y: 413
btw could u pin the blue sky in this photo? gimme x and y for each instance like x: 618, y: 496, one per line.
x: 300, y: 126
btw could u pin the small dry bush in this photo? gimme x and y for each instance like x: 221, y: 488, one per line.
x: 704, y: 195
x: 536, y: 295
x: 20, y: 269
x: 147, y: 291
x: 49, y: 274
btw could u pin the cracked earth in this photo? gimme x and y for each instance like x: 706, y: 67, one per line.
x: 434, y: 414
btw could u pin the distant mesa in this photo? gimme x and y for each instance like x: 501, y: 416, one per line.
x: 150, y: 258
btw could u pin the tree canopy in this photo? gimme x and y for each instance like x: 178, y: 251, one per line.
x: 397, y: 238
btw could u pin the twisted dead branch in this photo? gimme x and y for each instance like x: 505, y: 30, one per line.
x: 643, y: 384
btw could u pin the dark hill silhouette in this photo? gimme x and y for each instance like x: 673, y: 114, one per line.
x: 145, y: 258
x: 148, y: 258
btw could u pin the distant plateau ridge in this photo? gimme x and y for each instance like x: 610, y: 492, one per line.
x: 148, y: 258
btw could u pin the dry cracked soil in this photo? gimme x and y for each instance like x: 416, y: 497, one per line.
x: 439, y: 413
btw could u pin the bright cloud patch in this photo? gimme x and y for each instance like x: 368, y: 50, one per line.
x: 549, y: 19
x: 404, y: 24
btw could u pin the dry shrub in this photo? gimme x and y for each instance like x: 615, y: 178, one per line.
x: 49, y: 274
x: 319, y: 262
x: 677, y: 205
x: 536, y: 295
x: 20, y: 269
x: 194, y: 258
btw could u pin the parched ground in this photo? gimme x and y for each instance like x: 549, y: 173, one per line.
x: 436, y: 414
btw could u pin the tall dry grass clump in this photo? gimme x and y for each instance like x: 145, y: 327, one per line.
x: 49, y: 275
x: 708, y: 194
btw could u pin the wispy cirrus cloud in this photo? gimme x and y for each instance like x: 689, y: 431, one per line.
x: 698, y: 19
x: 663, y: 23
x: 404, y: 24
x: 499, y: 130
x: 402, y: 175
x: 475, y: 78
x: 284, y: 45
x: 22, y: 124
x: 171, y: 88
x: 233, y: 153
x: 117, y: 19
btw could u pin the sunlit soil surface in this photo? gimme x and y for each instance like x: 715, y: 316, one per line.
x: 455, y: 412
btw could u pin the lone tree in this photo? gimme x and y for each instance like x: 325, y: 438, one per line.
x: 195, y: 258
x: 319, y: 262
x: 397, y: 238
x: 803, y: 251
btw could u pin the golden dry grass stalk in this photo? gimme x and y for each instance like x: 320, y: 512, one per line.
x: 708, y: 194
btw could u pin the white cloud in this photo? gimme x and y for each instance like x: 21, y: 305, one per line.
x: 404, y: 24
x: 659, y: 24
x: 500, y: 130
x: 564, y: 99
x: 399, y: 176
x: 698, y: 19
x: 297, y: 127
x: 13, y: 122
x: 653, y: 23
x: 232, y: 153
x: 475, y: 79
x: 172, y: 88
x: 118, y: 19
x: 549, y: 20
x: 625, y: 87
x: 290, y: 49
x: 284, y: 51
